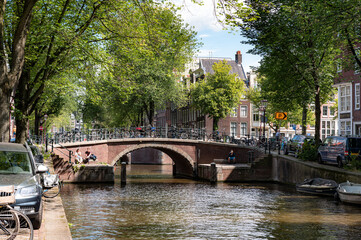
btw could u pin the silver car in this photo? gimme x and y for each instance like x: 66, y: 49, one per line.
x: 18, y: 168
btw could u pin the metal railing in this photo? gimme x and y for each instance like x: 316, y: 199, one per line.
x: 148, y: 132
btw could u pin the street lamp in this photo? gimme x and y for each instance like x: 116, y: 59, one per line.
x: 263, y: 107
x: 46, y: 139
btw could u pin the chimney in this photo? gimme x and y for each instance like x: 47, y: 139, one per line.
x: 239, y: 57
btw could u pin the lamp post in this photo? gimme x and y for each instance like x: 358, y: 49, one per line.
x: 46, y: 138
x: 263, y: 108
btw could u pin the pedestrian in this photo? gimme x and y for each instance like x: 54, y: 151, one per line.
x: 278, y: 135
x: 231, y: 157
x: 78, y: 158
x: 89, y: 156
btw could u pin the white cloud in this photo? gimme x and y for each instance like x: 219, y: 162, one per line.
x: 204, y: 35
x: 201, y: 17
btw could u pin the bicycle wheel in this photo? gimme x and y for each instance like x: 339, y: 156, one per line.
x: 52, y: 192
x: 26, y: 230
x: 9, y: 224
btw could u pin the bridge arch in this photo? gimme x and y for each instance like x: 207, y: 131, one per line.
x: 183, y: 162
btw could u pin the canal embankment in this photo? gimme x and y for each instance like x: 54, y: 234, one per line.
x: 275, y: 168
x: 55, y: 225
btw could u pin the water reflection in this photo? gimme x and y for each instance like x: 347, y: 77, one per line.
x: 160, y: 207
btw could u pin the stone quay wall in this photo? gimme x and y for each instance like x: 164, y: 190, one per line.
x: 277, y: 168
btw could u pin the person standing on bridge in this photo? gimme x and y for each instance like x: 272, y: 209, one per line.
x: 231, y: 157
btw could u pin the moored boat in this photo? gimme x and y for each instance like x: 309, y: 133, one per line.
x: 349, y: 192
x: 317, y: 186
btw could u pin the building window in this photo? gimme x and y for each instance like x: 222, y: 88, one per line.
x: 345, y: 98
x: 243, y: 129
x: 233, y: 129
x: 332, y: 111
x: 234, y: 112
x: 243, y: 111
x: 357, y: 96
x: 324, y: 110
x: 345, y: 128
x: 255, y: 117
x: 339, y: 66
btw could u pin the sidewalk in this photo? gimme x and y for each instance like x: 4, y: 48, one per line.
x: 55, y: 225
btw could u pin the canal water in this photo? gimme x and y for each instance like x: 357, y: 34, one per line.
x: 153, y: 205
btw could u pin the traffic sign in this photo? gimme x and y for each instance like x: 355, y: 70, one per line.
x: 281, y: 115
x: 41, y: 128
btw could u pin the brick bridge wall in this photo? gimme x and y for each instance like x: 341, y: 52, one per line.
x: 186, y: 154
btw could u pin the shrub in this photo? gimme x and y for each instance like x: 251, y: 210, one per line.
x: 309, y: 152
x: 354, y: 163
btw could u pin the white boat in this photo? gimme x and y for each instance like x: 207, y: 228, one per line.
x: 349, y: 192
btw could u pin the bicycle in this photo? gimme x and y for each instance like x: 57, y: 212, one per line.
x: 51, y: 185
x: 13, y: 223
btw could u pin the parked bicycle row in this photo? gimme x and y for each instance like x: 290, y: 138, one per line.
x: 138, y: 132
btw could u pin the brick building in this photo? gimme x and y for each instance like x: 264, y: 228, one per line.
x: 237, y: 124
x: 349, y: 111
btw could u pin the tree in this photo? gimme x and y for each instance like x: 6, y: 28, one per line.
x: 15, y: 20
x: 145, y: 72
x: 218, y: 93
x: 293, y: 34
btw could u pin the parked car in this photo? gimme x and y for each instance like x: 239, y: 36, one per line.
x: 38, y: 156
x: 338, y: 150
x: 295, y: 144
x: 18, y: 168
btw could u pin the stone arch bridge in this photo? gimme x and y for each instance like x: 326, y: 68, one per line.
x: 186, y: 154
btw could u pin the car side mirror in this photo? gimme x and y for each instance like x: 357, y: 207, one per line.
x: 42, y: 169
x: 39, y: 158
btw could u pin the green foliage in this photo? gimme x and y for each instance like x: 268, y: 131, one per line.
x: 354, y: 163
x: 309, y: 152
x: 219, y: 93
x: 143, y: 74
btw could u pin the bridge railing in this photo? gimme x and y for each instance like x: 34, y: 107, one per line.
x: 140, y: 132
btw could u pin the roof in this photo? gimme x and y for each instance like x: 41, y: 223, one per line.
x: 206, y: 65
x: 12, y: 147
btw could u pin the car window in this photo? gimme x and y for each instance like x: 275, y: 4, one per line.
x: 341, y: 141
x: 355, y: 142
x: 333, y: 141
x: 327, y: 141
x: 14, y: 162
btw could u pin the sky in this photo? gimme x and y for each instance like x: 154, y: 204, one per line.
x: 216, y: 42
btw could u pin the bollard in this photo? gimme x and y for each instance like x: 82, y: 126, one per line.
x: 174, y: 170
x: 269, y: 147
x: 279, y: 147
x: 123, y: 173
x: 213, y: 178
x: 46, y: 143
x: 70, y: 153
x: 250, y: 157
x: 265, y: 146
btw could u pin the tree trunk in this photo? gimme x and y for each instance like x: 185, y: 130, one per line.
x: 36, y: 122
x: 317, y: 115
x: 304, y: 120
x: 215, y: 124
x: 4, y: 116
x: 10, y: 71
x: 21, y: 128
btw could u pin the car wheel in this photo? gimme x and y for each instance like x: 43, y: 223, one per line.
x: 39, y: 218
x: 319, y: 159
x: 339, y: 163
